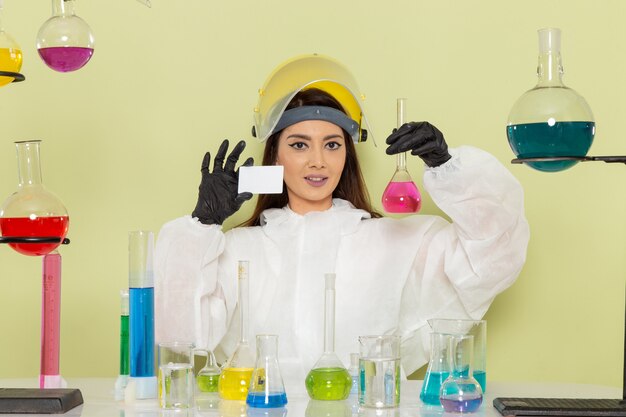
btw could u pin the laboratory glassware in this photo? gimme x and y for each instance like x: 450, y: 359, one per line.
x: 175, y: 377
x: 550, y: 120
x: 401, y: 194
x: 329, y: 379
x: 65, y: 41
x: 10, y: 56
x: 460, y: 392
x: 141, y: 309
x: 476, y: 328
x: 124, y: 371
x: 354, y: 373
x: 32, y: 211
x: 237, y: 371
x: 49, y: 376
x: 438, y: 369
x: 208, y: 377
x: 267, y: 389
x: 379, y: 371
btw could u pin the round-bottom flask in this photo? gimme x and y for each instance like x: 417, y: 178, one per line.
x: 550, y: 120
x: 32, y: 211
x: 460, y: 392
x: 208, y: 377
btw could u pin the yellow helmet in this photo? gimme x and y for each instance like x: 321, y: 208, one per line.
x: 301, y: 73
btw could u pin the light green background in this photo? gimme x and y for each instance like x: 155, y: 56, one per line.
x: 123, y: 139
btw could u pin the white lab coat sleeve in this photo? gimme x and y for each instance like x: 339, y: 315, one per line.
x: 189, y: 303
x: 487, y: 241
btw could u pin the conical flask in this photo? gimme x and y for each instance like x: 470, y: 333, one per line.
x: 401, y: 194
x: 329, y: 379
x: 267, y: 389
x: 237, y: 371
x: 460, y: 392
x: 32, y: 211
x: 550, y: 120
x: 65, y: 41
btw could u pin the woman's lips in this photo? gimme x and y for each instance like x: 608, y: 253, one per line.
x: 315, y: 181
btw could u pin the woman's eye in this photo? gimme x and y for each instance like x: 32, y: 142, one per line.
x: 298, y: 145
x: 333, y: 145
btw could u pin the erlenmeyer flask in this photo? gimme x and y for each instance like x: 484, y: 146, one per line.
x: 550, y: 120
x: 460, y: 392
x: 438, y: 369
x: 401, y: 194
x: 65, y: 41
x: 237, y: 371
x: 32, y: 211
x: 329, y: 379
x: 266, y: 385
x: 10, y: 56
x: 208, y: 377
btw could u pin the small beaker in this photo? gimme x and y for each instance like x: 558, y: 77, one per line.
x: 266, y: 388
x: 476, y: 328
x: 438, y: 369
x: 209, y: 376
x: 379, y: 371
x: 460, y: 392
x: 175, y: 378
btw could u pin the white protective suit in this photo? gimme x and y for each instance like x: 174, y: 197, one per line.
x: 391, y: 274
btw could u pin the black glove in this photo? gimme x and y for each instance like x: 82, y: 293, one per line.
x: 217, y: 194
x: 422, y: 139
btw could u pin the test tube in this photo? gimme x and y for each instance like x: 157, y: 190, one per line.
x: 49, y: 376
x: 122, y: 379
x: 141, y: 309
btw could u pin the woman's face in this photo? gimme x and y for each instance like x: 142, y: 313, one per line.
x: 313, y: 154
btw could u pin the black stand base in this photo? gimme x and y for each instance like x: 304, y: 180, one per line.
x: 560, y: 407
x: 39, y: 401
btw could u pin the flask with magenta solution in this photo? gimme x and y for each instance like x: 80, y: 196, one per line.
x: 141, y: 300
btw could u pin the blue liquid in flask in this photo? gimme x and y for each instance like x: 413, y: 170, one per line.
x: 456, y: 405
x: 141, y: 303
x: 261, y: 400
x: 432, y: 384
x: 533, y: 140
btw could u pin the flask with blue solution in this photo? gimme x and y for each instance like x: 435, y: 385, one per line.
x: 460, y: 392
x: 266, y: 389
x: 141, y: 317
x: 550, y: 125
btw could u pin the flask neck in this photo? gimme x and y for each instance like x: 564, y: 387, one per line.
x: 329, y: 314
x: 63, y: 7
x: 243, y: 300
x: 550, y: 70
x: 28, y: 165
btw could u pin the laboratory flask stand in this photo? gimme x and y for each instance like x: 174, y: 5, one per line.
x: 17, y: 77
x: 38, y: 400
x: 607, y: 159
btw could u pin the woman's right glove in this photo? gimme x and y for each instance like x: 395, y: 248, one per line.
x: 423, y: 140
x: 217, y: 195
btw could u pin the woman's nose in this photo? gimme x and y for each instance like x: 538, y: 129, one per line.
x: 317, y: 159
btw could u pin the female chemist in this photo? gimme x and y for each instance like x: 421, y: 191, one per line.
x: 391, y: 274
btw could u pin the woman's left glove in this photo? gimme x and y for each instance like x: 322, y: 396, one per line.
x: 422, y: 139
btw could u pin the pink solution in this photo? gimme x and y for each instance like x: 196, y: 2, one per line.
x: 50, y: 318
x: 402, y: 197
x: 65, y: 58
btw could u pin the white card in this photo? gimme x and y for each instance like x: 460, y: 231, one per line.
x: 261, y: 179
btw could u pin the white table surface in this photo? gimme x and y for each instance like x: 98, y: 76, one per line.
x: 99, y: 402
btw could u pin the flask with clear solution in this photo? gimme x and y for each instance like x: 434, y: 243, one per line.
x: 237, y: 371
x: 267, y: 389
x: 460, y: 392
x: 550, y: 120
x: 329, y: 379
x: 401, y: 194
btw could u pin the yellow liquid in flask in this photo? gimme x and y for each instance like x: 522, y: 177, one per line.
x: 11, y: 61
x: 234, y: 383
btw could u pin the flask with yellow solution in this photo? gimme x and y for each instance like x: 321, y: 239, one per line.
x: 10, y: 54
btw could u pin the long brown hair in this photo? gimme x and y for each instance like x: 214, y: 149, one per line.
x: 351, y: 186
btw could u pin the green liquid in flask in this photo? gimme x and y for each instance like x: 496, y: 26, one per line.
x: 328, y: 383
x: 208, y: 383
